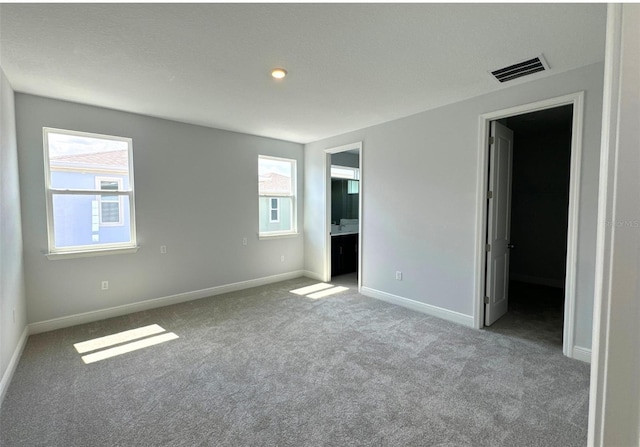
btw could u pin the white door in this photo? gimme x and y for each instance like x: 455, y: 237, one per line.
x: 498, y: 225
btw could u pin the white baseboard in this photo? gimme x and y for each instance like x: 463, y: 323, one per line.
x: 13, y: 364
x: 551, y: 282
x: 102, y: 314
x: 313, y: 275
x: 582, y: 354
x: 445, y: 314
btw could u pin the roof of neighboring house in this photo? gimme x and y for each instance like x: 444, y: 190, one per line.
x: 272, y: 183
x: 111, y: 160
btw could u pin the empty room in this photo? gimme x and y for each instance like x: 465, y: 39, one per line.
x: 319, y: 224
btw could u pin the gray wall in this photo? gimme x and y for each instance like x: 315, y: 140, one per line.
x: 196, y: 192
x: 419, y: 197
x: 12, y: 294
x: 346, y: 159
x: 539, y: 211
x: 343, y: 204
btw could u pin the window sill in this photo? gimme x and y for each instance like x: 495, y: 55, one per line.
x: 277, y: 235
x: 90, y: 253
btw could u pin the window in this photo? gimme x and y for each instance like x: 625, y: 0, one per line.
x: 274, y: 210
x: 345, y: 172
x: 89, y: 188
x: 277, y: 200
x: 110, y: 206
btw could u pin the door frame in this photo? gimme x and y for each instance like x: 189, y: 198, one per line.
x: 327, y: 210
x: 577, y: 100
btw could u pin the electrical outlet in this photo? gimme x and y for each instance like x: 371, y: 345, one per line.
x: 399, y: 275
x: 163, y: 249
x: 244, y: 241
x: 105, y: 285
x: 282, y: 258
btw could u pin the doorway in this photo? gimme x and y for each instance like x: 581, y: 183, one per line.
x: 532, y: 256
x: 343, y: 215
x: 537, y: 234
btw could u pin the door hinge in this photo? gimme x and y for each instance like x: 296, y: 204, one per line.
x: 486, y: 300
x: 489, y: 194
x: 492, y: 140
x: 487, y: 247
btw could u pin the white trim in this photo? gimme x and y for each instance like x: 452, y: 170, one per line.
x: 577, y: 100
x: 50, y: 192
x: 604, y: 237
x: 327, y: 213
x: 313, y: 275
x: 582, y: 354
x: 13, y: 364
x: 294, y: 198
x: 276, y: 235
x: 435, y: 311
x: 90, y: 253
x: 344, y: 148
x: 97, y: 315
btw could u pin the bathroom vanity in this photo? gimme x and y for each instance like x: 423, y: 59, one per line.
x: 344, y: 247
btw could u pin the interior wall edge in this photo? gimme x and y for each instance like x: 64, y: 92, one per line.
x: 13, y: 364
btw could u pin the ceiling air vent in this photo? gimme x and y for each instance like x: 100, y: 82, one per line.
x: 520, y: 69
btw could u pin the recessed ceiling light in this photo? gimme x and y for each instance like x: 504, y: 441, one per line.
x: 278, y: 73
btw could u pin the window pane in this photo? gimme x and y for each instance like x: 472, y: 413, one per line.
x: 276, y: 188
x: 75, y: 160
x: 110, y: 212
x: 90, y: 163
x: 284, y: 215
x: 345, y: 172
x: 109, y: 198
x: 109, y: 185
x: 76, y: 221
x: 275, y: 176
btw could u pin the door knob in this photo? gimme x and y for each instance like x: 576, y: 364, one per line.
x: 511, y: 246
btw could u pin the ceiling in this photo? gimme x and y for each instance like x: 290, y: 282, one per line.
x: 350, y: 65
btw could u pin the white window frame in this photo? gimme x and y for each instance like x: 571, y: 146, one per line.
x: 272, y: 209
x: 95, y: 249
x: 345, y: 172
x: 99, y: 181
x: 294, y: 200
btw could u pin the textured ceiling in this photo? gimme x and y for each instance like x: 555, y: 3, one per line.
x: 350, y: 66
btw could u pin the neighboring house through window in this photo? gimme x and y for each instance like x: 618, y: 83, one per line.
x: 89, y: 187
x: 110, y: 206
x: 274, y: 214
x: 277, y: 200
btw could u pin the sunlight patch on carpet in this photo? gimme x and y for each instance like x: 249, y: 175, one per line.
x: 129, y: 347
x: 116, y: 339
x: 327, y: 292
x: 311, y: 289
x: 319, y: 290
x: 126, y: 341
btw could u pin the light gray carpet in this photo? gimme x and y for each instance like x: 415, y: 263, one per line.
x: 265, y: 367
x: 535, y: 314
